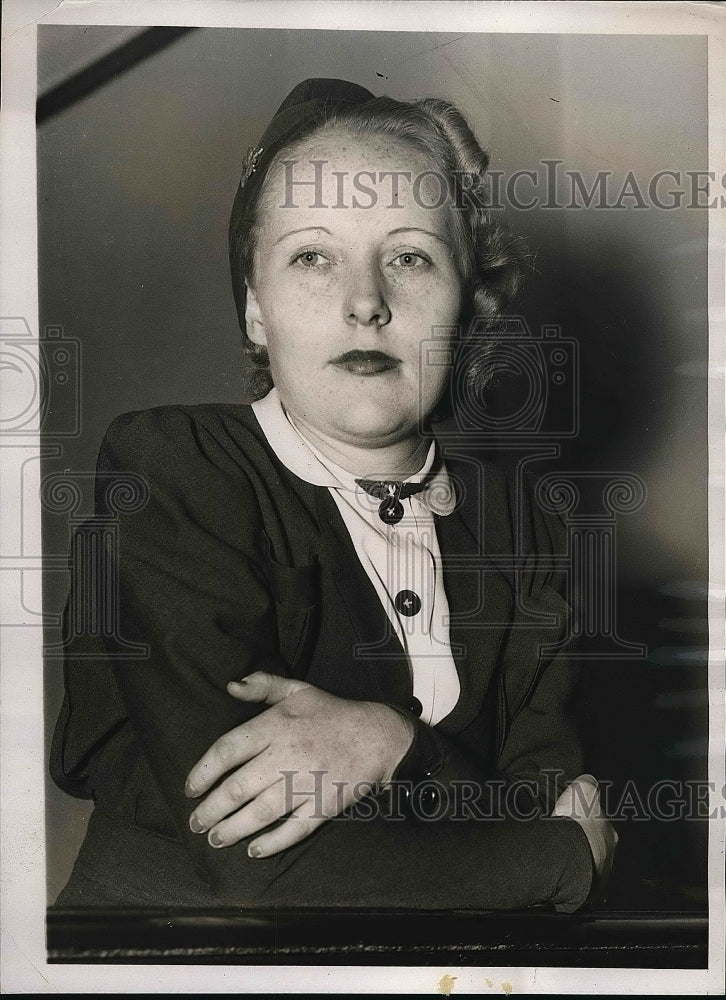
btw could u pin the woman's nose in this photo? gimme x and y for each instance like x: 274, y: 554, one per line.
x: 366, y: 299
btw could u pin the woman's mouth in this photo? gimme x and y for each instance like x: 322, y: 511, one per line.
x: 366, y: 362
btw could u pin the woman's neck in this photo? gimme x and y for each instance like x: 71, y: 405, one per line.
x: 397, y: 460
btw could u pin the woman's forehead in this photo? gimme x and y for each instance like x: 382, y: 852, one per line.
x: 339, y: 143
x: 371, y: 176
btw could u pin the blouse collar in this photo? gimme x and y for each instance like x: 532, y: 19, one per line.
x: 305, y: 461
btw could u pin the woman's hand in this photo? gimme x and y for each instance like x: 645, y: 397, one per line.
x: 308, y: 757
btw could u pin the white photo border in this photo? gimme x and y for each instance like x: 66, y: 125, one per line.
x: 25, y: 968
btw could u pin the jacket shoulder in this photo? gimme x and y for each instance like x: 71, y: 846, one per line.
x: 176, y: 422
x: 183, y: 438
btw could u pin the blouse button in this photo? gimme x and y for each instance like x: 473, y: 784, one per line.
x: 390, y: 511
x: 408, y: 603
x: 416, y: 707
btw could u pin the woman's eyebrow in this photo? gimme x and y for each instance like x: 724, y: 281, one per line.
x: 419, y: 229
x: 304, y: 229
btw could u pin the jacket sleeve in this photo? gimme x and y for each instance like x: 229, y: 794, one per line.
x: 192, y: 590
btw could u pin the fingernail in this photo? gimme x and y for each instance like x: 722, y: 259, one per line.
x: 195, y: 824
x: 215, y: 840
x: 190, y: 789
x: 255, y: 851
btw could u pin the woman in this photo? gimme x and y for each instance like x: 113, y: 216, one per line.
x: 344, y: 701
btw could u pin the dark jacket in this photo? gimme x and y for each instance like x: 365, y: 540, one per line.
x: 235, y: 564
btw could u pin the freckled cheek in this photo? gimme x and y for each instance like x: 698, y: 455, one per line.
x: 298, y: 301
x: 426, y: 313
x: 450, y: 302
x: 431, y: 298
x: 300, y: 339
x: 320, y: 297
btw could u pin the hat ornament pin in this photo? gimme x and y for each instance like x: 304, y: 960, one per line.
x: 250, y: 162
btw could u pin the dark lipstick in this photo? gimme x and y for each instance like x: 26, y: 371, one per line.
x: 366, y: 362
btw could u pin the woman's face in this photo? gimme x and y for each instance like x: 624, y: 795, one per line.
x: 349, y: 284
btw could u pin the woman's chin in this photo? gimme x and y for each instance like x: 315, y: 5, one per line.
x: 361, y: 423
x: 376, y: 428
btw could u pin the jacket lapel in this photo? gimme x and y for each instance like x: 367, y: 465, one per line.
x: 479, y: 589
x: 378, y: 663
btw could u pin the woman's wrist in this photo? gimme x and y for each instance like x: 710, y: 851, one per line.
x: 396, y: 736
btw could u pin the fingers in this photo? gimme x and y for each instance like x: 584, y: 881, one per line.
x: 580, y: 801
x: 241, y: 787
x: 243, y: 807
x: 246, y: 741
x: 234, y: 748
x: 258, y: 761
x: 269, y: 806
x: 263, y: 687
x: 299, y: 825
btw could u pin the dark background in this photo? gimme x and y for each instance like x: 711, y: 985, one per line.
x: 135, y: 183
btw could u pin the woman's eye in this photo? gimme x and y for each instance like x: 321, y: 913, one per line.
x: 309, y: 258
x: 410, y: 260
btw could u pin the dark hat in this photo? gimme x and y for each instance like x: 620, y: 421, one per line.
x: 306, y: 101
x: 309, y: 103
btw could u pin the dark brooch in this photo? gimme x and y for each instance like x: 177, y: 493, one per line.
x: 390, y: 509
